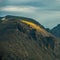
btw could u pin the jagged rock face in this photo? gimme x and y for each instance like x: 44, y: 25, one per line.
x: 22, y: 41
x: 56, y: 31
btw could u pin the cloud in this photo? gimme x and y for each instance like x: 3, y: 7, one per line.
x: 47, y: 12
x: 22, y: 1
x: 46, y: 4
x: 27, y: 9
x: 3, y: 3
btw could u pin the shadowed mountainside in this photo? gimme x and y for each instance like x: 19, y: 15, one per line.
x: 56, y: 31
x: 25, y: 39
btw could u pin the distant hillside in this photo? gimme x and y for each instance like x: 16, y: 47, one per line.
x: 56, y: 31
x: 25, y: 39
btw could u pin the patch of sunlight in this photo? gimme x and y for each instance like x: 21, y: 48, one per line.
x: 31, y: 24
x: 35, y: 26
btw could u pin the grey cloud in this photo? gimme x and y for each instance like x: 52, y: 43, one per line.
x: 3, y: 3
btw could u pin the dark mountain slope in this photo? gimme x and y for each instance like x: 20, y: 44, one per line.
x: 56, y: 31
x: 20, y: 40
x: 1, y: 18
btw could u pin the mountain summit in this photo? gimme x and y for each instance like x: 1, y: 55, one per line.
x: 25, y: 39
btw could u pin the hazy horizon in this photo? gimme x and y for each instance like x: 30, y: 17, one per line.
x: 46, y: 12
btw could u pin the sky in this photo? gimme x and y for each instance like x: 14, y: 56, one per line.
x: 46, y: 12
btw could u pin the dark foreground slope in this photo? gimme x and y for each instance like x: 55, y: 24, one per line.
x: 20, y: 41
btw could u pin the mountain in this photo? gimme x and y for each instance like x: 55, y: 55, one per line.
x: 56, y: 31
x: 1, y: 18
x: 25, y: 39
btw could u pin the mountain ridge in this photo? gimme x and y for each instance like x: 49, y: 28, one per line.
x: 19, y: 41
x: 27, y: 19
